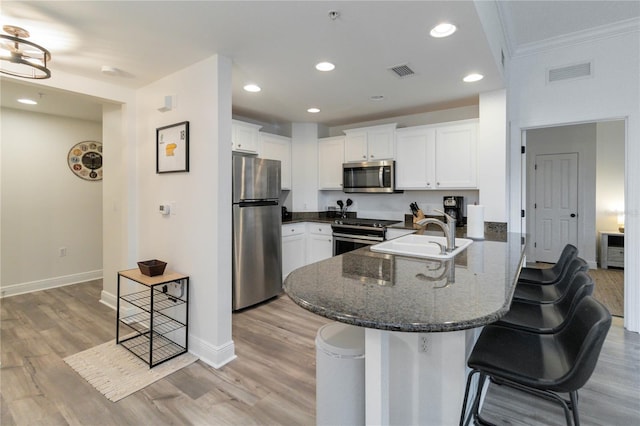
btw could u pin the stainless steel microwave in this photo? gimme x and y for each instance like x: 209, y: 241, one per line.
x: 369, y: 176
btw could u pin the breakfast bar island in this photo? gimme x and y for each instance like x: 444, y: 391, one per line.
x: 421, y: 317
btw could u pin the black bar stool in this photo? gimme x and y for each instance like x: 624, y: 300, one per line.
x: 548, y: 317
x: 549, y: 275
x: 551, y: 293
x: 541, y: 364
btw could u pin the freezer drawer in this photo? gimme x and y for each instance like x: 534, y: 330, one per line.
x: 257, y: 253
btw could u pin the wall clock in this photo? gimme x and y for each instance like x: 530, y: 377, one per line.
x: 85, y: 160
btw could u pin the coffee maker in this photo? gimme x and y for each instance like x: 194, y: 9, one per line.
x: 453, y: 207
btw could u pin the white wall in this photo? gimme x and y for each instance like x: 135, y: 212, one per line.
x: 612, y: 92
x: 609, y: 174
x: 196, y: 238
x: 492, y: 155
x: 45, y: 206
x: 304, y: 164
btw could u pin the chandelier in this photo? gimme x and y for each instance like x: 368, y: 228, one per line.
x: 22, y: 58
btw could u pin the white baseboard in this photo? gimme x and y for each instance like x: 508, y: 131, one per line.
x: 215, y: 356
x: 108, y: 299
x: 29, y: 287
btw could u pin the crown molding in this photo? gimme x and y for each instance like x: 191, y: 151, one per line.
x: 590, y: 35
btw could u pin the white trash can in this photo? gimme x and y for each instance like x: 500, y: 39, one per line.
x: 340, y: 398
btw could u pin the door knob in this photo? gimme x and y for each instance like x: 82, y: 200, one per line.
x: 573, y: 215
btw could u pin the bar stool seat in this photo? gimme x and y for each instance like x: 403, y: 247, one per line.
x: 541, y: 364
x: 551, y: 293
x: 548, y: 317
x: 549, y: 275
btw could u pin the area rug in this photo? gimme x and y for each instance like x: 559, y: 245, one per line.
x: 116, y: 373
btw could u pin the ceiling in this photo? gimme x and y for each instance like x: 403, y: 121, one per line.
x: 276, y: 45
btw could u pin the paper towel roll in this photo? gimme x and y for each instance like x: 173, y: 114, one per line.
x: 475, y: 222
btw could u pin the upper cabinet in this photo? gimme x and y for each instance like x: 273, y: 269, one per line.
x: 442, y: 156
x: 245, y: 137
x: 369, y: 143
x: 276, y: 147
x: 330, y: 159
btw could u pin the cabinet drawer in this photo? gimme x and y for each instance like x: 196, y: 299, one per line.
x: 615, y: 254
x: 319, y: 228
x: 293, y: 229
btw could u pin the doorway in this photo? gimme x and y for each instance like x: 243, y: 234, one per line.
x: 596, y: 150
x: 555, y: 204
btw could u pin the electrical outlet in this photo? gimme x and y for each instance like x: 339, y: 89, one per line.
x: 62, y: 251
x: 423, y: 344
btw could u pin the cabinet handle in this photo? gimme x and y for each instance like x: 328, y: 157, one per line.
x: 239, y: 145
x: 437, y: 183
x: 371, y: 156
x: 364, y: 156
x: 428, y: 183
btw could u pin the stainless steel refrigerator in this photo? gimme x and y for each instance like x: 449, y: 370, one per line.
x: 257, y: 230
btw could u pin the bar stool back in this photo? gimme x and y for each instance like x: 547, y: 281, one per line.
x: 541, y: 364
x: 552, y: 293
x: 549, y: 275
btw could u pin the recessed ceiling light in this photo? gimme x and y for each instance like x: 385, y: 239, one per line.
x: 443, y: 30
x: 313, y: 110
x: 325, y: 66
x: 252, y: 88
x: 473, y: 77
x: 27, y: 101
x: 377, y: 98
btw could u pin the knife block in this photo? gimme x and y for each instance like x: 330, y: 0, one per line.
x: 419, y: 217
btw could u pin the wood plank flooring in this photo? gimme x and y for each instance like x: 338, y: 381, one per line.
x: 272, y: 381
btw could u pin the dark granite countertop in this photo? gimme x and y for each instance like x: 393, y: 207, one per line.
x: 401, y: 293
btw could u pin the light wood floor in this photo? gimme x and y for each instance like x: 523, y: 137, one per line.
x: 272, y: 381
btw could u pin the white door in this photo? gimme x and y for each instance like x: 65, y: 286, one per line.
x: 556, y: 204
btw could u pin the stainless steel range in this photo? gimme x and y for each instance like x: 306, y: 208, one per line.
x: 351, y: 233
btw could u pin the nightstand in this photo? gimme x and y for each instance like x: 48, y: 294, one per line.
x: 611, y: 249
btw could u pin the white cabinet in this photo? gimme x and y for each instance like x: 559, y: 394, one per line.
x: 319, y: 242
x: 370, y: 143
x: 244, y: 136
x: 415, y: 149
x: 437, y: 156
x: 276, y: 147
x: 330, y: 159
x: 456, y: 156
x: 293, y: 247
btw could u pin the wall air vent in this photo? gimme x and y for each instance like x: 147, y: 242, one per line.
x: 569, y: 72
x: 402, y: 71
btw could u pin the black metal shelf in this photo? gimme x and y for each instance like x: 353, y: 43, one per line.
x: 163, y: 348
x: 156, y: 328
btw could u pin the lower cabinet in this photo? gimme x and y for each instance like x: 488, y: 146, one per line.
x: 398, y: 232
x: 319, y: 242
x: 304, y: 243
x: 294, y: 241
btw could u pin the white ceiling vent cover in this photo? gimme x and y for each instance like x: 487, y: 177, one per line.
x: 402, y: 71
x: 569, y: 72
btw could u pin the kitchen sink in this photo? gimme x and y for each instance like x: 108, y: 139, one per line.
x: 420, y: 246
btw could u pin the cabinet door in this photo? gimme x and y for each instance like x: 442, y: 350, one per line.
x: 293, y: 253
x: 355, y: 146
x: 415, y: 161
x: 456, y: 156
x: 244, y: 136
x: 380, y: 144
x: 276, y: 147
x: 320, y: 247
x: 330, y: 159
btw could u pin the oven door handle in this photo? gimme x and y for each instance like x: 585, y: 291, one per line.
x: 363, y: 239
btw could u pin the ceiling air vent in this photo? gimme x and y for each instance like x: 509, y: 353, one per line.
x: 402, y: 71
x: 569, y: 72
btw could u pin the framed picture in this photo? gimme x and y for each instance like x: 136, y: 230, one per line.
x: 172, y: 148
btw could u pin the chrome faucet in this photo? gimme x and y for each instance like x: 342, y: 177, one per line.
x: 448, y: 228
